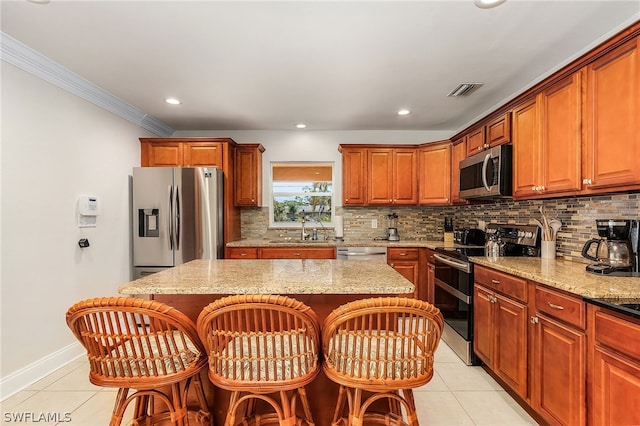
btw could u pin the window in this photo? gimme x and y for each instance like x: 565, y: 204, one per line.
x: 301, y: 190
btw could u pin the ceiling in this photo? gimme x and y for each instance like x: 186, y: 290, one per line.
x: 341, y: 65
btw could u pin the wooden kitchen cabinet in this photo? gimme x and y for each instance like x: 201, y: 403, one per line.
x: 612, y: 120
x: 289, y: 252
x: 614, y: 368
x: 475, y: 141
x: 547, y: 141
x: 407, y: 262
x: 494, y: 133
x: 248, y: 174
x: 202, y: 154
x: 392, y: 176
x: 434, y: 173
x: 500, y: 326
x: 430, y: 281
x: 297, y: 253
x: 559, y: 357
x: 354, y: 175
x: 458, y: 153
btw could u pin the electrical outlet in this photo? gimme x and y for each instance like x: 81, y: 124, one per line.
x: 374, y: 223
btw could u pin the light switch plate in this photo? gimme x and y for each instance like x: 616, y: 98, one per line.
x: 374, y: 223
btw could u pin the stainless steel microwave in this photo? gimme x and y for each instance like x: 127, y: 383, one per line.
x: 487, y: 174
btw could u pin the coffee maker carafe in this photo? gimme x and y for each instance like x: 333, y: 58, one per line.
x: 392, y: 230
x: 614, y: 252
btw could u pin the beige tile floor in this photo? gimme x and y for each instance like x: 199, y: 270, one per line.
x: 457, y: 395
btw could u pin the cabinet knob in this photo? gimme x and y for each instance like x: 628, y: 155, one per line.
x: 253, y: 200
x: 296, y: 254
x: 586, y: 181
x: 542, y: 188
x: 534, y: 320
x: 495, y: 281
x: 243, y: 254
x: 346, y: 200
x: 479, y: 148
x: 393, y: 265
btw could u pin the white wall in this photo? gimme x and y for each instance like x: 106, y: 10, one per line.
x: 55, y: 147
x: 305, y: 145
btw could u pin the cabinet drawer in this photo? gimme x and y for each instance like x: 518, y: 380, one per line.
x: 298, y: 253
x: 397, y: 253
x: 242, y: 253
x: 557, y: 305
x: 501, y: 282
x: 618, y: 333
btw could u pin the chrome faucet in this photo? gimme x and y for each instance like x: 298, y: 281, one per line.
x: 304, y: 234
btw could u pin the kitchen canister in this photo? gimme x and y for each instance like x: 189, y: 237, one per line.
x: 548, y: 249
x: 339, y: 227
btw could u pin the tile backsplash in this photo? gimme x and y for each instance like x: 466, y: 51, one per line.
x: 578, y: 215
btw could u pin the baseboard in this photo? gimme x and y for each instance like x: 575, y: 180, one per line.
x: 18, y: 380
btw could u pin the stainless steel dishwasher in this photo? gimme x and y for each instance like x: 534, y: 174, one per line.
x: 377, y: 254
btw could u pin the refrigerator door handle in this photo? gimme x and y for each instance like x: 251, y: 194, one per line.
x: 170, y: 218
x: 177, y: 217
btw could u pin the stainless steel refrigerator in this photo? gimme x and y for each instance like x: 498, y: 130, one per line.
x: 177, y: 216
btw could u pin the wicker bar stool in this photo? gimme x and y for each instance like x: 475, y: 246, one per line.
x: 382, y: 346
x: 260, y: 345
x: 142, y: 345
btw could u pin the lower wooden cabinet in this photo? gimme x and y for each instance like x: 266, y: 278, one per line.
x: 614, y: 368
x: 500, y: 336
x: 281, y: 253
x: 407, y: 262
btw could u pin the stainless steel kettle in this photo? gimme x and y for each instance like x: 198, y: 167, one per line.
x: 615, y: 253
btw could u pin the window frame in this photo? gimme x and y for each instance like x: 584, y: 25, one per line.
x: 298, y: 224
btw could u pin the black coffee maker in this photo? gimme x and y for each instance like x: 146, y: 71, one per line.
x: 616, y: 252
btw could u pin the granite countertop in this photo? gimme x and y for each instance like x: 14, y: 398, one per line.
x: 565, y: 275
x: 258, y: 242
x: 273, y: 277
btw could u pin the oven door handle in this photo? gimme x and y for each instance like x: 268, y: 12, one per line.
x: 461, y: 266
x: 452, y: 291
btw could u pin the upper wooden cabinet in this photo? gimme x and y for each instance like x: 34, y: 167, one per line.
x: 475, y: 141
x: 392, y: 176
x: 354, y: 175
x: 612, y: 120
x: 547, y: 141
x: 248, y: 173
x: 186, y: 152
x: 494, y: 133
x: 434, y: 174
x: 458, y: 153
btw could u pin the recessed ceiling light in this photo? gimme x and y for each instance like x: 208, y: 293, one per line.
x: 301, y: 126
x: 172, y: 101
x: 39, y: 1
x: 488, y: 4
x: 404, y: 112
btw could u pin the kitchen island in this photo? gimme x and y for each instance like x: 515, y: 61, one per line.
x: 322, y: 284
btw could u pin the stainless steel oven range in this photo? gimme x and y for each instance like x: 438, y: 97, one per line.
x: 453, y: 293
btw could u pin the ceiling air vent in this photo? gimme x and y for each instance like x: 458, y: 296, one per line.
x: 464, y: 89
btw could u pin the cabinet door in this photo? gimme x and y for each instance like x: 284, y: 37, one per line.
x: 202, y: 154
x: 434, y: 165
x: 615, y: 390
x: 612, y: 139
x: 354, y: 182
x: 409, y: 270
x: 510, y: 352
x: 526, y: 149
x: 380, y: 178
x: 167, y: 154
x: 458, y: 153
x: 559, y: 372
x: 475, y: 141
x: 498, y: 131
x: 248, y: 173
x: 483, y: 324
x: 560, y: 115
x: 405, y: 177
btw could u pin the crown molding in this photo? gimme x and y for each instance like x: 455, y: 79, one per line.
x: 22, y: 56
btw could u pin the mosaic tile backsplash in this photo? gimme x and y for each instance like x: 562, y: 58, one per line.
x: 578, y: 215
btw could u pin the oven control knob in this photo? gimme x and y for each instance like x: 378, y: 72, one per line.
x: 529, y: 234
x: 521, y: 234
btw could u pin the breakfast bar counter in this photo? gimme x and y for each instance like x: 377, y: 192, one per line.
x: 321, y: 284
